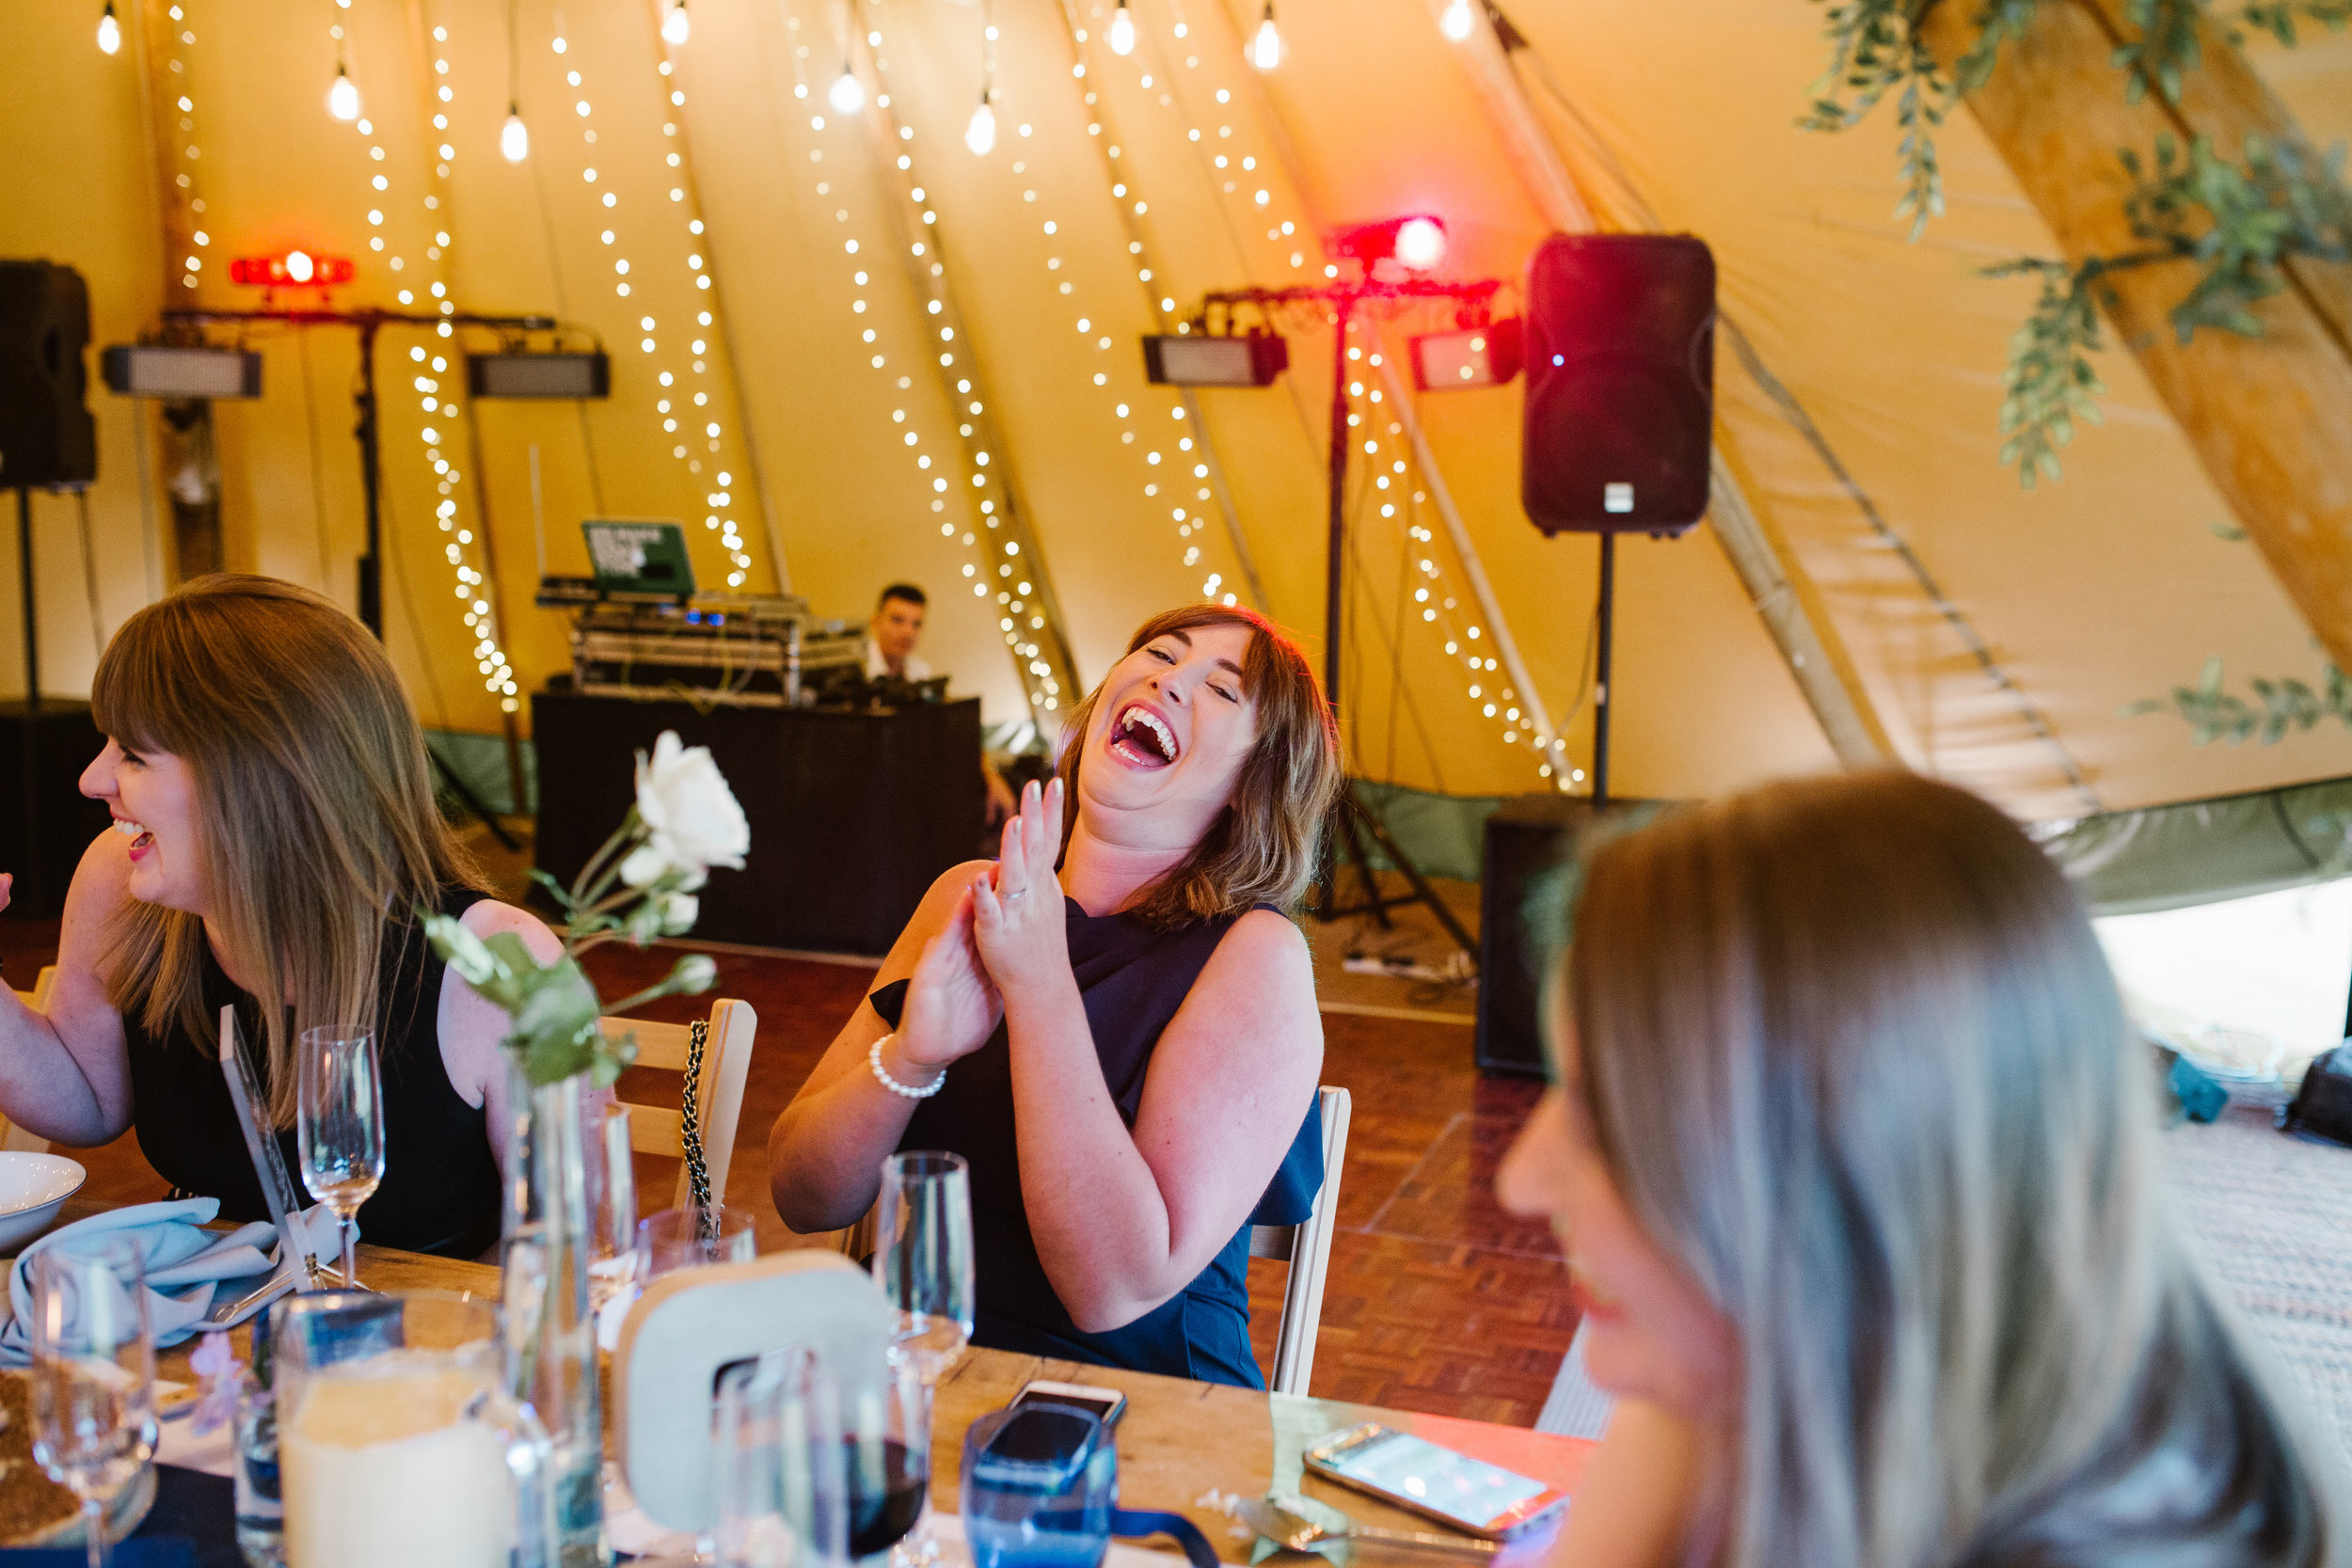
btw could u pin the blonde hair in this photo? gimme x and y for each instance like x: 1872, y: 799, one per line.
x: 1261, y: 847
x: 1857, y: 1059
x: 316, y: 821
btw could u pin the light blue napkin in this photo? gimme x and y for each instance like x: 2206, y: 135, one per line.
x: 186, y: 1265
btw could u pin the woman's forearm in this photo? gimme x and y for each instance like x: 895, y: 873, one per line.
x: 43, y: 1087
x: 1096, y: 1213
x: 825, y: 1152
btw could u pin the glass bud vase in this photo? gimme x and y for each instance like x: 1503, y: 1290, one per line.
x: 550, y: 1331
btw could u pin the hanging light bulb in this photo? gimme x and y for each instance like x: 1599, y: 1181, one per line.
x: 515, y: 137
x: 109, y: 30
x: 1265, y: 49
x: 1457, y: 20
x: 1123, y: 35
x: 980, y: 136
x: 675, y: 27
x: 342, y: 99
x: 848, y: 94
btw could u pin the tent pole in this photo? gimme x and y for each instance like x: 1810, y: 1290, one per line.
x: 1807, y: 641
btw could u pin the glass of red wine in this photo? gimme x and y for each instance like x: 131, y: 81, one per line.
x: 812, y: 1473
x: 889, y: 1472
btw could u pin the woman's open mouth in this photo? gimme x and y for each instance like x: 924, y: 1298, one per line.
x: 141, y: 840
x: 1141, y: 738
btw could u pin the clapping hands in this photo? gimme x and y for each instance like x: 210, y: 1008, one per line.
x: 1017, y: 919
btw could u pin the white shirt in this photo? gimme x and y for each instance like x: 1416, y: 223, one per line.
x: 876, y: 667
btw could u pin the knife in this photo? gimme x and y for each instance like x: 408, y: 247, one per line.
x: 269, y: 1160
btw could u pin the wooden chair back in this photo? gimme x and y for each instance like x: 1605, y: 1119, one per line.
x: 1307, y: 1248
x: 727, y: 1062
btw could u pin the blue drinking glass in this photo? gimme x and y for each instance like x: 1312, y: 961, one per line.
x: 1040, y: 1483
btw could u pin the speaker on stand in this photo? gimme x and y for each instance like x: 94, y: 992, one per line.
x: 1619, y: 422
x: 48, y: 441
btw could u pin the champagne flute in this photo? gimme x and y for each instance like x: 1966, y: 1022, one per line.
x: 341, y: 1125
x: 923, y: 1254
x: 612, y: 1238
x: 93, y: 1393
x: 923, y: 1262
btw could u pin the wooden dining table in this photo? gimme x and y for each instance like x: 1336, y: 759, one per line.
x: 1183, y: 1447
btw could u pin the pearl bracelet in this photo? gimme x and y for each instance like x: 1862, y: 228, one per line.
x: 881, y: 1075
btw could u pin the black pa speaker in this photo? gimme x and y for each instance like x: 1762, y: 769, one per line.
x: 47, y: 437
x: 1524, y: 883
x: 45, y: 819
x: 1620, y: 383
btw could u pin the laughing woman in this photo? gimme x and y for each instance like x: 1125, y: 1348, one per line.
x: 275, y: 827
x: 1114, y: 1021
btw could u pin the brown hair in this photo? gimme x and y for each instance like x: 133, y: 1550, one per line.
x: 317, y: 821
x: 1261, y: 847
x: 1856, y: 1058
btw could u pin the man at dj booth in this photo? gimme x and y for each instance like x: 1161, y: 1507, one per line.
x: 897, y: 626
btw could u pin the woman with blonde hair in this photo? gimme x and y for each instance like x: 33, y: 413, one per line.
x: 1854, y: 1157
x: 1114, y: 1023
x: 274, y: 831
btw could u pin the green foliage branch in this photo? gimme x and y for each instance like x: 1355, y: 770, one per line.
x: 2237, y: 222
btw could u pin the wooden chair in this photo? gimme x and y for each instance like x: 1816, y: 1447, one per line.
x: 727, y: 1062
x: 14, y: 1139
x: 1305, y: 1246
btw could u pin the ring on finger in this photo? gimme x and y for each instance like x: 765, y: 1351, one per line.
x: 1016, y: 893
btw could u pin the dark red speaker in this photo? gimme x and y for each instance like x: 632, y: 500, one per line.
x: 1620, y: 383
x: 47, y: 437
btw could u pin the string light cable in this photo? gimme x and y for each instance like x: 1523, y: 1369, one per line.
x: 682, y: 403
x: 1022, y: 622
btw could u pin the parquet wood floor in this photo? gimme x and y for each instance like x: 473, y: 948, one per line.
x: 1436, y: 1300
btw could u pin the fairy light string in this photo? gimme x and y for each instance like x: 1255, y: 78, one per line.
x: 1012, y: 563
x: 1194, y: 447
x: 431, y: 370
x: 686, y: 194
x: 186, y: 236
x: 683, y: 403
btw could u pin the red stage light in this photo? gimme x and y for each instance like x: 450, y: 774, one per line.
x: 1416, y: 244
x: 293, y: 269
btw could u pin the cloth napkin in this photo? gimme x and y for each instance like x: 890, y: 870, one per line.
x: 187, y: 1267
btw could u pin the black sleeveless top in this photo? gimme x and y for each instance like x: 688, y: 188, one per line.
x: 1132, y: 979
x: 441, y: 1186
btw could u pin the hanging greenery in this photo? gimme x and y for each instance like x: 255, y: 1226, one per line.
x: 2237, y: 221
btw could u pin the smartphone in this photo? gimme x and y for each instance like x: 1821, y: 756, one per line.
x: 1106, y: 1404
x: 1412, y: 1472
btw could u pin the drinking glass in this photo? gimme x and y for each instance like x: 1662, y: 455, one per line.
x: 781, y: 1482
x: 93, y: 1365
x: 690, y: 1238
x: 1038, y: 1486
x: 612, y: 1227
x: 342, y: 1124
x: 923, y: 1254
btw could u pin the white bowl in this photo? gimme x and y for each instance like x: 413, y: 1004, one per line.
x: 33, y: 1187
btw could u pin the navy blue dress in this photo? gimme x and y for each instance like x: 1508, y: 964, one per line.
x: 1132, y: 979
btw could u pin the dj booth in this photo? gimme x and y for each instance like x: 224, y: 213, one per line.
x: 853, y: 811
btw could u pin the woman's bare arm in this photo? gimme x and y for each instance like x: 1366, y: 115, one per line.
x: 65, y: 1074
x: 826, y: 1149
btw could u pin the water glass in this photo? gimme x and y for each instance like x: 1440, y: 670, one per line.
x: 1037, y: 1487
x: 692, y: 1237
x: 94, y: 1370
x: 779, y: 1473
x: 923, y: 1254
x: 340, y: 1094
x: 611, y: 1226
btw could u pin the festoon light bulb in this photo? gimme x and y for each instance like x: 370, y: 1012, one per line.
x: 1265, y: 48
x: 109, y: 30
x: 675, y: 27
x: 1122, y: 33
x: 848, y: 94
x: 515, y: 137
x: 342, y: 99
x: 980, y: 136
x: 1457, y: 20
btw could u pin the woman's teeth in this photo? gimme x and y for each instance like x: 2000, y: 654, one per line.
x: 1137, y: 718
x: 129, y: 828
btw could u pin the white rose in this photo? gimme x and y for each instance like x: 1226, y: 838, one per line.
x: 680, y: 912
x: 691, y: 815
